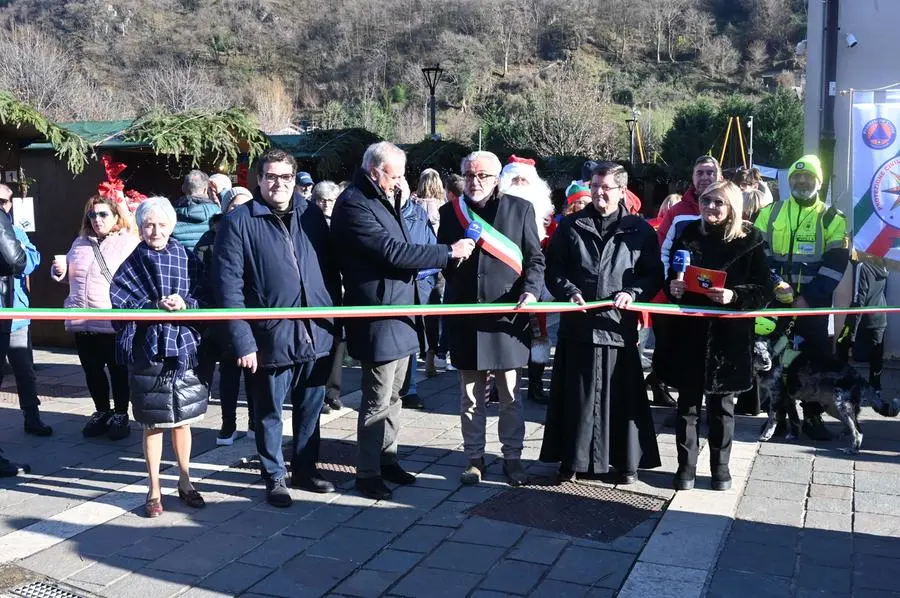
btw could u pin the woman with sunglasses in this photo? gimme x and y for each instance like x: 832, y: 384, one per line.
x: 107, y: 236
x: 713, y: 356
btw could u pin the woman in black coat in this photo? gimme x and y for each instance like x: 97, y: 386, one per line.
x: 713, y: 356
x: 168, y: 390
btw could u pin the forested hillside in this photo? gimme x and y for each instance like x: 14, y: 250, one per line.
x: 557, y: 76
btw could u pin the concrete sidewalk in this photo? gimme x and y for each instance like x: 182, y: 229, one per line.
x: 75, y: 522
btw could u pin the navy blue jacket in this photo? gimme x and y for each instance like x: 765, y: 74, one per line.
x: 379, y: 261
x: 257, y: 262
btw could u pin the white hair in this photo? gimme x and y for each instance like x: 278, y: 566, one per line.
x: 155, y: 204
x: 379, y: 153
x: 536, y: 191
x: 490, y: 157
x: 221, y: 181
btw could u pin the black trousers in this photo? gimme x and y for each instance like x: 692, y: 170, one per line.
x: 97, y: 353
x: 333, y: 385
x: 720, y: 412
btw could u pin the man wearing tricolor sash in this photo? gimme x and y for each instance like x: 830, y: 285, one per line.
x: 507, y: 266
x: 808, y: 248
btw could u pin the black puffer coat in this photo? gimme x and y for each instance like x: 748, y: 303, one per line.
x: 715, y: 354
x: 161, y: 399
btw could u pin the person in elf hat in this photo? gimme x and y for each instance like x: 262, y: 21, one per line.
x: 520, y: 178
x: 578, y: 197
x: 808, y: 248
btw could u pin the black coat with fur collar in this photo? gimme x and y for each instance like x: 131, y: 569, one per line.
x: 716, y: 353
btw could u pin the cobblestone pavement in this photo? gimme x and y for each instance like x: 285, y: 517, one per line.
x: 801, y: 518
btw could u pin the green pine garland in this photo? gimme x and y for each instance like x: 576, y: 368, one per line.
x: 69, y: 147
x: 199, y: 134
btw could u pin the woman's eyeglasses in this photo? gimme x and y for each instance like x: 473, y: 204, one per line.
x: 92, y: 215
x: 715, y: 202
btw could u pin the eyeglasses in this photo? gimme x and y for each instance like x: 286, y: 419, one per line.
x: 605, y: 189
x: 709, y: 201
x: 481, y: 176
x: 92, y: 215
x: 271, y: 177
x: 5, y: 200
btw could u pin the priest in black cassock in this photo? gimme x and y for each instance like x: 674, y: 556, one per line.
x: 599, y: 415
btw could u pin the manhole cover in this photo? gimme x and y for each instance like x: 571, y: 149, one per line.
x: 336, y: 458
x: 585, y: 511
x: 40, y: 589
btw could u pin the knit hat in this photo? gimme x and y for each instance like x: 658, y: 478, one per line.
x: 808, y: 163
x: 229, y: 194
x: 576, y: 191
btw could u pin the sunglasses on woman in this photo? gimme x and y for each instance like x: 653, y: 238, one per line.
x: 92, y: 215
x: 715, y: 202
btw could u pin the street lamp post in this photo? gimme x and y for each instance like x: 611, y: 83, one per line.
x: 631, y: 122
x: 432, y: 76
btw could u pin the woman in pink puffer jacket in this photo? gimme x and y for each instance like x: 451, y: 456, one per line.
x: 106, y: 238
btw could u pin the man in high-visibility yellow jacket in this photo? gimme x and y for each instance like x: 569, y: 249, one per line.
x: 808, y: 247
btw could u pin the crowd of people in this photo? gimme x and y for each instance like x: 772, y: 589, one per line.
x: 372, y: 241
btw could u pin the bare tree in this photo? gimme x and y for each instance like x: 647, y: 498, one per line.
x: 179, y: 88
x: 272, y: 104
x: 719, y: 57
x: 562, y: 120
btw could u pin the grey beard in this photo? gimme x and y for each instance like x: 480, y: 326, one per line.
x: 804, y: 199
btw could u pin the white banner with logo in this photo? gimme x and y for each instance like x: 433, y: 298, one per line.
x: 875, y: 163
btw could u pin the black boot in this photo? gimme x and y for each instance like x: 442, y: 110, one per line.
x: 661, y: 396
x: 536, y: 383
x: 34, y: 425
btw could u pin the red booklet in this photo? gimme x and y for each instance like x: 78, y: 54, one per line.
x: 700, y: 280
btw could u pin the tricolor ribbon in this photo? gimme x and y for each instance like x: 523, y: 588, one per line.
x: 391, y: 311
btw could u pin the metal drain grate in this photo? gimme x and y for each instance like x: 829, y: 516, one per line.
x: 582, y: 510
x: 40, y: 589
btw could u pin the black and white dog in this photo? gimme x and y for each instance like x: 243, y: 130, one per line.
x: 841, y: 389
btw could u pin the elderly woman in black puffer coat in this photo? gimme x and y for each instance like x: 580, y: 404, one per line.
x: 713, y: 356
x: 169, y: 388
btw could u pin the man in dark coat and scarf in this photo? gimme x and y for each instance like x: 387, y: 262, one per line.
x: 506, y: 267
x: 599, y: 416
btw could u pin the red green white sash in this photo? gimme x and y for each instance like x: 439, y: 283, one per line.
x: 492, y: 241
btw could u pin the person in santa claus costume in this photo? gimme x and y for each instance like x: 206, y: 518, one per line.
x: 520, y: 178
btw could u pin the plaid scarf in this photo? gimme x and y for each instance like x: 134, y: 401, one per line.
x: 144, y: 278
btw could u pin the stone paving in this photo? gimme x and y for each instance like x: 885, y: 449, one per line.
x: 802, y: 520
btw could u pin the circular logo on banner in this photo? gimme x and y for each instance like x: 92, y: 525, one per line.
x: 879, y: 133
x: 885, y: 192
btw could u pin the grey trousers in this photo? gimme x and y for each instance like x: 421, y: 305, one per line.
x: 511, y: 427
x: 379, y: 415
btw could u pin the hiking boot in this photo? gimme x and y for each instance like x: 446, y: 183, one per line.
x: 334, y: 403
x: 684, y: 477
x: 227, y: 434
x: 373, y: 488
x: 397, y: 475
x: 814, y: 427
x: 412, y: 401
x: 430, y: 368
x: 34, y: 425
x: 97, y: 425
x: 277, y: 494
x: 118, y: 427
x: 514, y: 472
x: 720, y: 478
x: 472, y: 474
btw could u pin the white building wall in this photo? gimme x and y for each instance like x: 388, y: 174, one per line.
x: 872, y: 63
